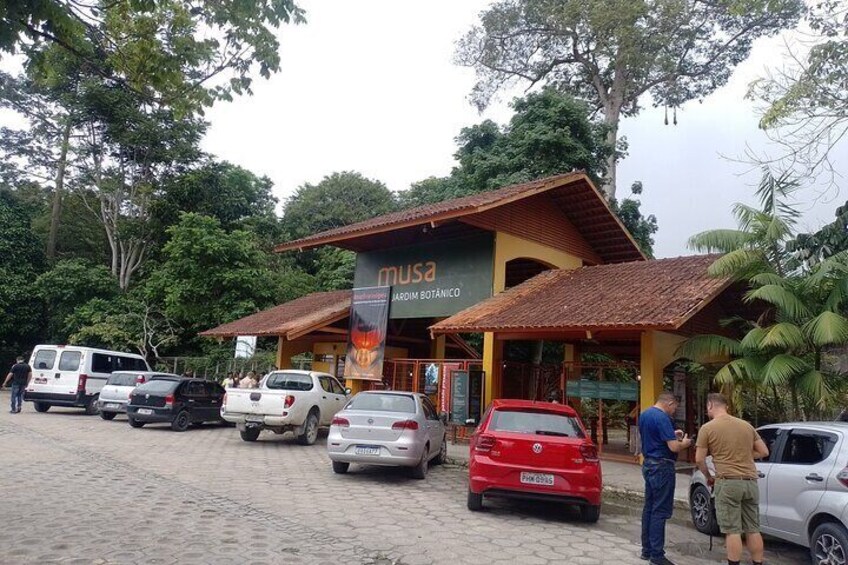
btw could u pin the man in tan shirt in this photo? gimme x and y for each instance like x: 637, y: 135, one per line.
x: 733, y: 444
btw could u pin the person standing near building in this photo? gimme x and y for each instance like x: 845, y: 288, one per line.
x: 660, y: 446
x: 19, y: 375
x: 733, y: 444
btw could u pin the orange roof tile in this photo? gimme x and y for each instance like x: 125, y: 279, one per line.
x: 289, y: 319
x: 584, y: 205
x: 659, y: 294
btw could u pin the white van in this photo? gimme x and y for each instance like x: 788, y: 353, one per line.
x: 66, y: 375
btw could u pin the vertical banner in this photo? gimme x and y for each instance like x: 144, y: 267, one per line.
x: 245, y: 346
x: 366, y: 343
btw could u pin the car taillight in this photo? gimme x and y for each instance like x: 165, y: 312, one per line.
x: 842, y: 477
x: 589, y: 453
x: 405, y: 425
x: 81, y: 383
x: 169, y: 400
x: 485, y: 443
x: 343, y: 422
x: 288, y: 401
x: 224, y: 401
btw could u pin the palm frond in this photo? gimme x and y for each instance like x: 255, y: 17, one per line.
x: 738, y: 264
x: 781, y: 368
x: 722, y: 241
x: 743, y: 370
x: 762, y: 279
x: 837, y: 296
x: 753, y: 338
x: 814, y: 385
x: 707, y: 348
x: 783, y: 335
x: 828, y: 328
x: 782, y: 298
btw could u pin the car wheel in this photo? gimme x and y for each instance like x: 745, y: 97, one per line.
x: 92, y: 407
x: 590, y: 514
x: 829, y: 544
x: 703, y: 511
x: 475, y: 501
x: 250, y: 434
x: 181, y: 422
x: 340, y: 467
x: 41, y: 406
x: 135, y: 423
x: 310, y: 430
x: 443, y: 452
x: 420, y: 470
x: 108, y: 415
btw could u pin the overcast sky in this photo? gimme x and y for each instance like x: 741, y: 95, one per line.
x: 370, y: 86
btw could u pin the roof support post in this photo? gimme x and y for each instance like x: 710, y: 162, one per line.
x: 492, y: 359
x: 288, y: 349
x: 658, y: 350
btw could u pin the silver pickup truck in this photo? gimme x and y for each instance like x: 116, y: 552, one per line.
x: 286, y: 401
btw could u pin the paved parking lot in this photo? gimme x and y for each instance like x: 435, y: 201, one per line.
x: 76, y: 489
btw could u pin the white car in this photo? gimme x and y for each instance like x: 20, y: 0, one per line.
x: 65, y: 375
x: 115, y: 393
x: 803, y: 489
x: 400, y: 429
x: 289, y: 400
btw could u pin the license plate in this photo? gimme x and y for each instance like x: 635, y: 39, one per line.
x: 114, y: 406
x: 255, y: 420
x: 537, y: 479
x: 367, y: 450
x: 145, y: 411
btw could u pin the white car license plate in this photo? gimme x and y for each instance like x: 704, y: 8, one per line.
x: 145, y: 411
x: 367, y: 450
x: 111, y: 405
x: 537, y: 479
x: 255, y: 419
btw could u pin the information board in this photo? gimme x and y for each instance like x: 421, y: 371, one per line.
x: 459, y: 397
x: 603, y: 390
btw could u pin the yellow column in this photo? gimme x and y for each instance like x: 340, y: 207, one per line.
x: 437, y: 347
x: 286, y: 350
x: 658, y: 350
x: 492, y: 357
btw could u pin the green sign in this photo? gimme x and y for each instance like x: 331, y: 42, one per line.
x: 604, y: 390
x: 433, y: 279
x: 459, y: 397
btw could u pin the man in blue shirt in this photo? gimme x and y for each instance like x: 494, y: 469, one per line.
x: 660, y: 446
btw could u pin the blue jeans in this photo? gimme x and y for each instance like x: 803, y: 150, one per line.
x: 17, y: 396
x: 659, y: 501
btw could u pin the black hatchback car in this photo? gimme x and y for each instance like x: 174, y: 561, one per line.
x: 176, y: 401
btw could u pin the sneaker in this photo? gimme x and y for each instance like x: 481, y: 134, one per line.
x: 661, y: 561
x: 645, y: 556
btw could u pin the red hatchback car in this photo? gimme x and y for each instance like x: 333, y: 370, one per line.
x: 534, y: 450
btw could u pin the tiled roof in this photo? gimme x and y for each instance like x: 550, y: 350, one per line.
x: 659, y: 294
x: 586, y: 207
x: 290, y: 319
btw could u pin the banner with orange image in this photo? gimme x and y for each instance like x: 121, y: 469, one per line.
x: 366, y: 344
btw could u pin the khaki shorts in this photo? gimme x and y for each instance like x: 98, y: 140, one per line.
x: 737, y: 506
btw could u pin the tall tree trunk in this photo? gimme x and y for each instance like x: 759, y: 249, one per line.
x: 56, y: 212
x: 612, y: 115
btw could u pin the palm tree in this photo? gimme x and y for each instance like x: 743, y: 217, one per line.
x: 802, y: 314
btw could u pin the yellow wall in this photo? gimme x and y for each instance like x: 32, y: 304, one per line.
x: 507, y: 248
x: 658, y: 351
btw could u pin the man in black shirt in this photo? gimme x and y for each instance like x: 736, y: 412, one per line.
x: 19, y: 375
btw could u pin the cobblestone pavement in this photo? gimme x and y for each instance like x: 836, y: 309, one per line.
x: 77, y: 489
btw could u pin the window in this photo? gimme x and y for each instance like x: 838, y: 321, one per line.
x: 770, y: 437
x: 123, y: 379
x: 289, y: 381
x: 157, y: 386
x: 429, y: 409
x: 807, y: 448
x: 380, y: 402
x: 70, y: 361
x: 213, y: 389
x: 535, y: 422
x: 101, y: 363
x: 44, y: 359
x: 195, y: 388
x: 129, y: 364
x: 337, y: 388
x: 325, y: 384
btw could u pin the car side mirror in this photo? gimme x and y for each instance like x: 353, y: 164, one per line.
x: 443, y: 417
x: 348, y: 390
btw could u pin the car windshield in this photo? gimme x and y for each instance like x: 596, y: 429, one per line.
x: 288, y: 381
x: 535, y: 422
x: 122, y: 379
x: 158, y: 385
x: 382, y: 403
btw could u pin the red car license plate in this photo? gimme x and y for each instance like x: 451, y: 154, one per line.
x: 537, y: 479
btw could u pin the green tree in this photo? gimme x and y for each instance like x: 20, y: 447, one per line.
x: 23, y: 259
x: 69, y: 285
x: 550, y: 133
x: 338, y: 200
x: 612, y: 52
x: 827, y: 241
